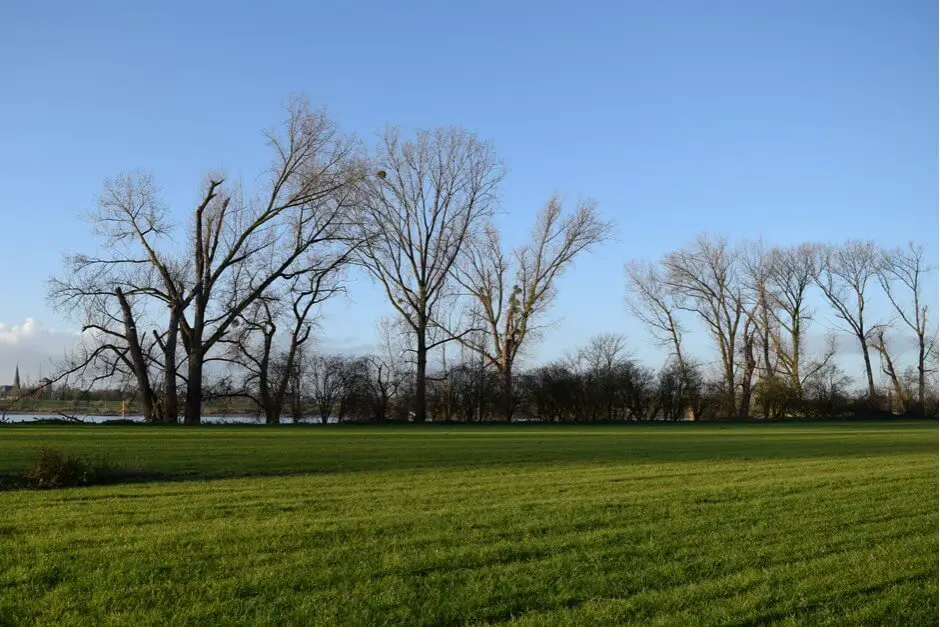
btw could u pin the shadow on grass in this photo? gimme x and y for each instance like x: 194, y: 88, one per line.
x: 16, y: 481
x: 214, y: 452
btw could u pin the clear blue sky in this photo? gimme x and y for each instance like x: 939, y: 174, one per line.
x: 797, y: 120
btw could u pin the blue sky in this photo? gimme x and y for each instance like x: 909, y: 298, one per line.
x: 799, y: 120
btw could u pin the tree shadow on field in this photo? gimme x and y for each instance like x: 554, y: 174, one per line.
x: 184, y: 454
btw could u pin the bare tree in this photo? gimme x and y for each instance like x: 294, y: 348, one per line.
x: 844, y: 275
x: 271, y: 367
x: 506, y: 314
x: 902, y: 271
x: 705, y: 278
x: 428, y: 197
x: 296, y: 388
x: 792, y: 272
x: 876, y: 339
x: 385, y: 374
x: 239, y: 245
x: 654, y: 305
x: 109, y: 296
x: 761, y: 302
x: 603, y: 356
x: 326, y: 383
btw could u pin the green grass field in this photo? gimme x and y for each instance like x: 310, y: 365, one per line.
x: 662, y: 524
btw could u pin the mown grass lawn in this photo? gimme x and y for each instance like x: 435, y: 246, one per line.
x: 667, y: 524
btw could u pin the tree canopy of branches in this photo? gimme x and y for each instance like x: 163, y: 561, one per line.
x: 845, y: 272
x: 902, y: 272
x: 238, y: 246
x: 429, y: 195
x: 510, y: 292
x: 705, y: 278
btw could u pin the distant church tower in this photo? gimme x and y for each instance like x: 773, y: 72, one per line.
x: 16, y: 378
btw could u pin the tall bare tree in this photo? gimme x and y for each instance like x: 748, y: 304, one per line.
x: 792, y: 272
x: 239, y: 244
x: 844, y: 275
x: 706, y: 279
x: 430, y: 194
x: 110, y: 296
x: 901, y: 273
x: 510, y: 292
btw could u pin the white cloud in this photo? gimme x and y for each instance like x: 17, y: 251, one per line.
x: 32, y: 347
x: 19, y: 333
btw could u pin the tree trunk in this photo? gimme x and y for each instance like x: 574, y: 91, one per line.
x: 421, y: 376
x: 892, y: 375
x: 730, y: 391
x: 795, y: 367
x: 506, y: 400
x: 272, y: 409
x: 272, y: 415
x: 921, y: 380
x: 871, y: 378
x: 744, y: 409
x: 171, y: 400
x: 192, y: 412
x: 137, y: 358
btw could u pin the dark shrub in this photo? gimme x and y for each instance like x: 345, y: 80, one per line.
x: 56, y: 469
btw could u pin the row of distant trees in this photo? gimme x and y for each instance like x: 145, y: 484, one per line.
x: 598, y: 383
x: 756, y: 304
x: 222, y: 304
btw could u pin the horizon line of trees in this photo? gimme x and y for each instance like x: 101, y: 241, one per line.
x: 223, y: 304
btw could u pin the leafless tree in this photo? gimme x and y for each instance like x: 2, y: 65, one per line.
x: 510, y: 292
x: 792, y: 272
x: 326, y: 383
x: 385, y: 373
x: 239, y: 244
x: 271, y: 367
x: 296, y: 388
x: 109, y: 297
x: 654, y: 305
x: 876, y: 339
x: 706, y: 279
x: 428, y: 197
x: 844, y: 275
x: 760, y: 302
x: 901, y: 274
x: 602, y: 356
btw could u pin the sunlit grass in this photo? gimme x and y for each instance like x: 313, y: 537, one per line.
x: 675, y: 525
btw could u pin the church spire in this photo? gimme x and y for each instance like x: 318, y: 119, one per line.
x: 16, y: 377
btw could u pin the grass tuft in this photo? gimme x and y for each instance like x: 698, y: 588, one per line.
x: 54, y: 468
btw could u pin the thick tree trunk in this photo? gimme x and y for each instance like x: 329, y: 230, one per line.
x: 192, y: 411
x: 137, y: 358
x: 730, y: 391
x: 506, y: 391
x: 272, y: 409
x: 272, y: 415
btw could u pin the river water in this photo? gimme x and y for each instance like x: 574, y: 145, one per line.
x: 249, y: 420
